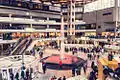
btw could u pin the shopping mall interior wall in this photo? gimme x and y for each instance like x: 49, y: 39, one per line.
x: 105, y: 15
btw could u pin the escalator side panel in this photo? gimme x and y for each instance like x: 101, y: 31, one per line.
x: 19, y: 46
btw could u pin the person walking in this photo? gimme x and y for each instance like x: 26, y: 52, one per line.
x: 44, y: 66
x: 85, y: 67
x: 92, y: 65
x: 17, y: 76
x: 92, y: 76
x: 41, y: 54
x: 27, y: 74
x: 78, y: 70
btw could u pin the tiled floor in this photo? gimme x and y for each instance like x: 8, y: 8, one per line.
x: 67, y: 73
x: 61, y: 73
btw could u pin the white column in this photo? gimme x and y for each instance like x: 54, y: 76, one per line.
x: 47, y: 20
x: 62, y: 36
x: 116, y: 17
x: 10, y: 15
x: 31, y: 23
x: 71, y: 19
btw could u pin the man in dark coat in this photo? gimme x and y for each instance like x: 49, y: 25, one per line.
x: 44, y: 67
x: 117, y: 72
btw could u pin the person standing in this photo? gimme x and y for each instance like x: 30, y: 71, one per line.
x: 23, y: 75
x: 59, y: 78
x: 31, y: 72
x: 73, y: 71
x: 90, y: 55
x: 44, y: 67
x: 85, y: 67
x: 64, y: 78
x: 78, y: 70
x: 17, y: 76
x: 60, y: 64
x: 117, y: 73
x: 11, y: 76
x: 27, y: 74
x: 92, y: 65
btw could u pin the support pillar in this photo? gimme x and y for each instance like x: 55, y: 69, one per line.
x: 71, y: 21
x: 47, y: 20
x: 58, y: 43
x: 31, y: 23
x: 62, y: 37
x: 2, y: 50
x: 10, y: 15
x: 116, y: 16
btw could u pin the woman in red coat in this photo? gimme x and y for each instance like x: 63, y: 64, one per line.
x: 60, y: 63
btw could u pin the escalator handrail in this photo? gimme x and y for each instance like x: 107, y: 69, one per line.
x: 21, y: 46
x: 17, y: 43
x: 26, y: 46
x: 17, y: 47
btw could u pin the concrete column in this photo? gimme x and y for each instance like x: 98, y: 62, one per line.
x: 2, y: 50
x: 62, y: 36
x: 47, y: 20
x: 116, y: 15
x: 10, y: 15
x: 58, y: 43
x: 31, y: 23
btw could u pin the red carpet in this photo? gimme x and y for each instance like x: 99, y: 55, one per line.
x: 68, y: 59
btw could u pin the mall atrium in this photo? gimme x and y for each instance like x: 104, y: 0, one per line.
x: 59, y: 40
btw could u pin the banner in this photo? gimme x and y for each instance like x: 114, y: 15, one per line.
x: 99, y: 5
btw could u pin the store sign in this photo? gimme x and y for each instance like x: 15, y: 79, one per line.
x: 99, y: 5
x: 113, y: 47
x: 54, y: 8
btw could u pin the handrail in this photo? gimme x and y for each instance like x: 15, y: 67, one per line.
x: 15, y: 45
x: 26, y: 46
x: 18, y: 47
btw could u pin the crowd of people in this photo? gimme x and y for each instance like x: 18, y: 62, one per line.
x: 93, y: 54
x: 60, y: 78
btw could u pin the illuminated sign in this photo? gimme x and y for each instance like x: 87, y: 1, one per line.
x: 99, y: 5
x: 54, y: 8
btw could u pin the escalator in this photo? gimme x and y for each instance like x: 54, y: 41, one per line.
x: 17, y: 43
x: 19, y: 47
x: 26, y: 46
x: 22, y: 46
